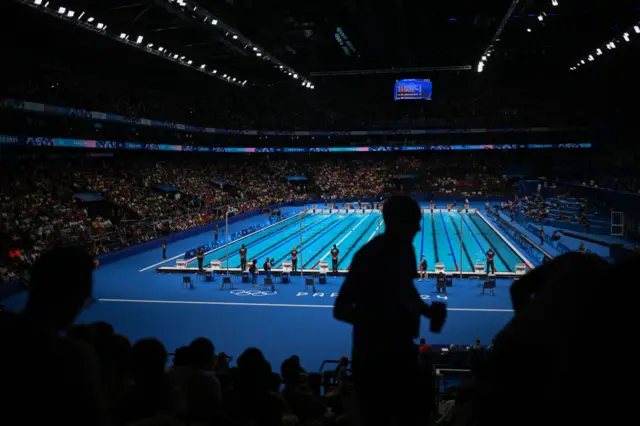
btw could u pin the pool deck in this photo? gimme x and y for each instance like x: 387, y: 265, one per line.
x: 447, y: 231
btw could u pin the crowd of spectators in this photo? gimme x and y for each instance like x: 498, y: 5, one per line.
x: 112, y: 381
x: 342, y: 179
x: 146, y: 198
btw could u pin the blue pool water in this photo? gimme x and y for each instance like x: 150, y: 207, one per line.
x: 459, y: 240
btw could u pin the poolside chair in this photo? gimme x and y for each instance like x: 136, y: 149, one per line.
x: 226, y: 281
x: 489, y: 284
x: 268, y: 285
x: 309, y: 282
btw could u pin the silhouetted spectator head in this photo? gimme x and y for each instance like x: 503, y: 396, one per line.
x: 423, y: 340
x: 148, y: 359
x: 401, y: 216
x: 253, y: 369
x: 182, y: 357
x: 60, y: 285
x: 251, y: 358
x: 291, y: 371
x: 222, y: 362
x: 296, y: 359
x: 344, y: 361
x: 202, y: 353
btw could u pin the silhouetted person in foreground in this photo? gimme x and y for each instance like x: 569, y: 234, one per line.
x: 49, y: 376
x: 379, y: 298
x: 538, y: 368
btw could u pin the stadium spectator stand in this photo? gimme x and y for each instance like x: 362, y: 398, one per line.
x: 147, y: 198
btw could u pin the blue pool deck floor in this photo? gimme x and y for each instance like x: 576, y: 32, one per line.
x: 140, y: 302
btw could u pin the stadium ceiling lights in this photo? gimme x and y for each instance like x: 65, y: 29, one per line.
x: 101, y: 28
x: 624, y: 37
x: 496, y: 37
x: 197, y: 12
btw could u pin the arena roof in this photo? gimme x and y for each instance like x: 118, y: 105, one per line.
x: 264, y: 41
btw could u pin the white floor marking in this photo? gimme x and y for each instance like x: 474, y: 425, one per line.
x: 223, y: 246
x: 160, y: 263
x: 344, y: 238
x: 529, y: 264
x: 281, y: 305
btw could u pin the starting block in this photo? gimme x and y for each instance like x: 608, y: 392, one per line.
x: 286, y: 266
x: 439, y: 268
x: 181, y: 263
x: 245, y: 277
x: 284, y: 278
x: 216, y: 265
x: 479, y: 268
x: 521, y: 269
x: 324, y: 270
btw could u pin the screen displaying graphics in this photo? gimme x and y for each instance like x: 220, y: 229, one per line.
x: 413, y: 89
x: 91, y: 144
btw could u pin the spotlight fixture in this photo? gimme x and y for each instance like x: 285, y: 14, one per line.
x: 89, y: 22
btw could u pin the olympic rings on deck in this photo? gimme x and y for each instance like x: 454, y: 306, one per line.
x: 258, y: 293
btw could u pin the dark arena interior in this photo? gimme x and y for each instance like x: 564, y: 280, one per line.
x: 347, y: 212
